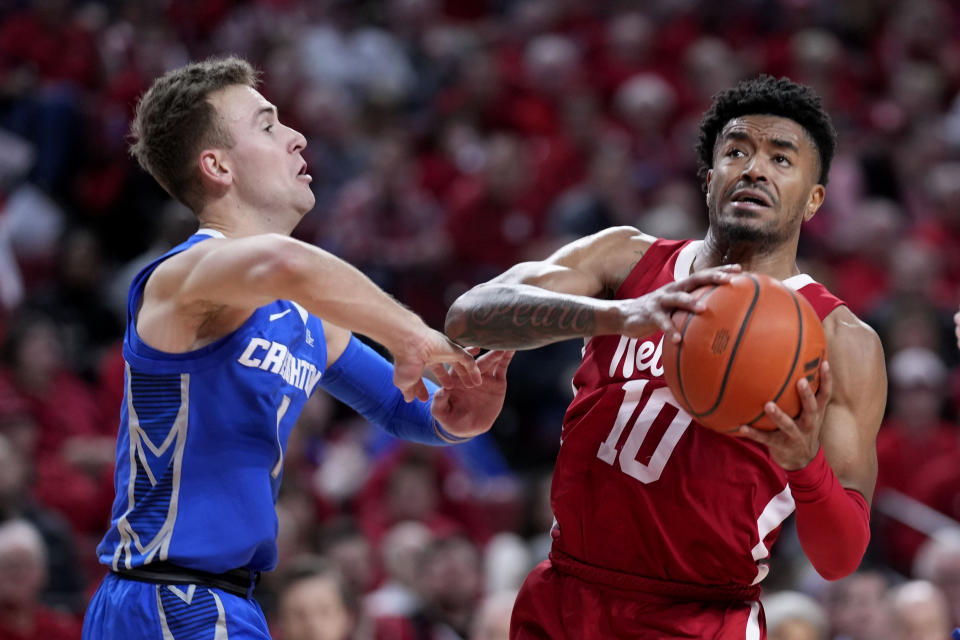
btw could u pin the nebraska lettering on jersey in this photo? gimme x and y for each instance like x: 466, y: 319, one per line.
x: 276, y: 358
x: 645, y: 357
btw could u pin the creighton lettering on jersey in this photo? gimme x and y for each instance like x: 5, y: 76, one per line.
x: 202, y: 439
x: 639, y: 487
x: 276, y: 358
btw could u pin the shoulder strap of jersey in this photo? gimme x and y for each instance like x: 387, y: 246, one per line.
x: 816, y: 294
x: 140, y: 280
x: 662, y: 253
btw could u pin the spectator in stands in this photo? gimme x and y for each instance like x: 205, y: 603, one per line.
x: 492, y: 621
x: 858, y: 607
x: 346, y: 547
x: 64, y: 587
x: 403, y: 549
x: 74, y: 301
x: 938, y: 562
x: 73, y: 450
x: 23, y: 565
x: 42, y: 89
x: 920, y: 612
x: 912, y: 436
x: 451, y: 583
x: 316, y: 602
x: 792, y: 615
x: 956, y: 321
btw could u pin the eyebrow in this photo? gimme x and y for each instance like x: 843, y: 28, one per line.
x: 262, y: 110
x: 780, y: 143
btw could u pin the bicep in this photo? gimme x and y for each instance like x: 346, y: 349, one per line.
x: 551, y: 276
x: 853, y: 417
x: 589, y: 266
x: 241, y: 273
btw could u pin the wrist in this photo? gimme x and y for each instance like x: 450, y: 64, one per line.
x: 809, y: 480
x: 407, y: 334
x: 447, y: 436
x: 610, y: 319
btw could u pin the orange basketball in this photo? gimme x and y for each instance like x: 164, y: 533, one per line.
x: 751, y: 345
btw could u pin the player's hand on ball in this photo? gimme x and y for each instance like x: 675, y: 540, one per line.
x: 651, y: 313
x: 795, y: 441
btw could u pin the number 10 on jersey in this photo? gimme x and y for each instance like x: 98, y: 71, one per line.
x: 650, y: 471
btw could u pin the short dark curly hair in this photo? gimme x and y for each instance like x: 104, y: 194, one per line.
x: 766, y: 95
x: 174, y: 120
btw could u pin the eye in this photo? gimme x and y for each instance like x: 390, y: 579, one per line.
x: 733, y: 152
x: 782, y: 159
x: 268, y: 128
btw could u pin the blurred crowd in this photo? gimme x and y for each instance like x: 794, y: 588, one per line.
x: 448, y: 140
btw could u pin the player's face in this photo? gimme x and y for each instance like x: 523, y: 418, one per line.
x: 764, y: 180
x: 266, y: 161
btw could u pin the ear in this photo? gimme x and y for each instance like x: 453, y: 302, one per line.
x: 707, y: 186
x: 215, y: 167
x: 817, y: 194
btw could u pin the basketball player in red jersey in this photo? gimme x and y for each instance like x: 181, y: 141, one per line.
x: 663, y: 527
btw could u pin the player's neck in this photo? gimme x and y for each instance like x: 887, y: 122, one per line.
x: 778, y: 262
x: 236, y: 221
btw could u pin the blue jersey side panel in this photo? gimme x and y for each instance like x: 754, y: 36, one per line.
x: 202, y: 439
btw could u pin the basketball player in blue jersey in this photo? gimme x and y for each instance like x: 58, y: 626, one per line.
x: 227, y: 336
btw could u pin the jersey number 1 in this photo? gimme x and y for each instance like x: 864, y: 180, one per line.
x: 650, y: 471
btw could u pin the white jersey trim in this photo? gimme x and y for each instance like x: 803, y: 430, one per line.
x: 213, y: 233
x: 799, y: 281
x: 753, y: 622
x: 689, y: 252
x: 685, y: 260
x: 139, y: 444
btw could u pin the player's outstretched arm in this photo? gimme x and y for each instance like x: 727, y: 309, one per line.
x: 567, y: 296
x: 245, y: 273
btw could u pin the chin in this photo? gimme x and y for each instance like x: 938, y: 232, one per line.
x: 304, y: 207
x: 744, y: 230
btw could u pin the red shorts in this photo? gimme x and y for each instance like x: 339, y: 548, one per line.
x: 552, y: 605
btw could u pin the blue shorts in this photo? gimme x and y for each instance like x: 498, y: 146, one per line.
x: 122, y: 609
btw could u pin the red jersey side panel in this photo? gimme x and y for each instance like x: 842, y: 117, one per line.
x: 639, y: 487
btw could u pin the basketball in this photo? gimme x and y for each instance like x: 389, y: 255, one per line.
x: 750, y: 346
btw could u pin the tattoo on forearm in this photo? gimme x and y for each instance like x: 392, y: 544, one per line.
x: 518, y: 325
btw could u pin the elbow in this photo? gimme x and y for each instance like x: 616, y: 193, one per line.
x: 469, y: 308
x: 834, y: 573
x: 455, y: 324
x: 839, y: 559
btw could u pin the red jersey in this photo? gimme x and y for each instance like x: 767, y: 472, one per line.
x: 640, y: 488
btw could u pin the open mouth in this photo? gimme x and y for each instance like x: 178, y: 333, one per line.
x: 750, y: 198
x: 303, y: 173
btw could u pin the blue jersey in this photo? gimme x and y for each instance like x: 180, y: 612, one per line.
x: 202, y: 438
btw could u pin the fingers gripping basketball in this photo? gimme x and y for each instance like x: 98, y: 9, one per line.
x: 750, y: 346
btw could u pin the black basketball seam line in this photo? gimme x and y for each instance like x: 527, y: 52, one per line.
x: 736, y: 345
x: 796, y: 356
x: 683, y: 332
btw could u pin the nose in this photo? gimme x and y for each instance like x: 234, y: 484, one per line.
x: 755, y: 169
x: 298, y: 142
